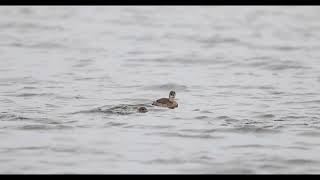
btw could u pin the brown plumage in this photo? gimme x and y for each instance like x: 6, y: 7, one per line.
x: 167, y: 102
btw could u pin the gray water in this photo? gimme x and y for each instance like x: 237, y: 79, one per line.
x: 247, y: 81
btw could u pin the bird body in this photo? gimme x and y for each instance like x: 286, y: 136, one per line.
x: 167, y: 102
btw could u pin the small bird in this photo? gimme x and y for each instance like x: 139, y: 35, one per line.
x: 167, y: 102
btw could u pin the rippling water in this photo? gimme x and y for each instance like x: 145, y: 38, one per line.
x: 247, y: 81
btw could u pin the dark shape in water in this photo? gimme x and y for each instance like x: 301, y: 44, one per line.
x: 125, y: 109
x: 142, y: 109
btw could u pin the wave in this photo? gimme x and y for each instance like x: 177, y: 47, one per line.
x: 122, y: 109
x: 167, y: 87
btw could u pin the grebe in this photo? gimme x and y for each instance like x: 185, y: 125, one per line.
x: 167, y: 102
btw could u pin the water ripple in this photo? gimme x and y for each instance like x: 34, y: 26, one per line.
x: 167, y: 87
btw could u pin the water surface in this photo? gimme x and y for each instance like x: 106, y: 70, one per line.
x: 247, y: 81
